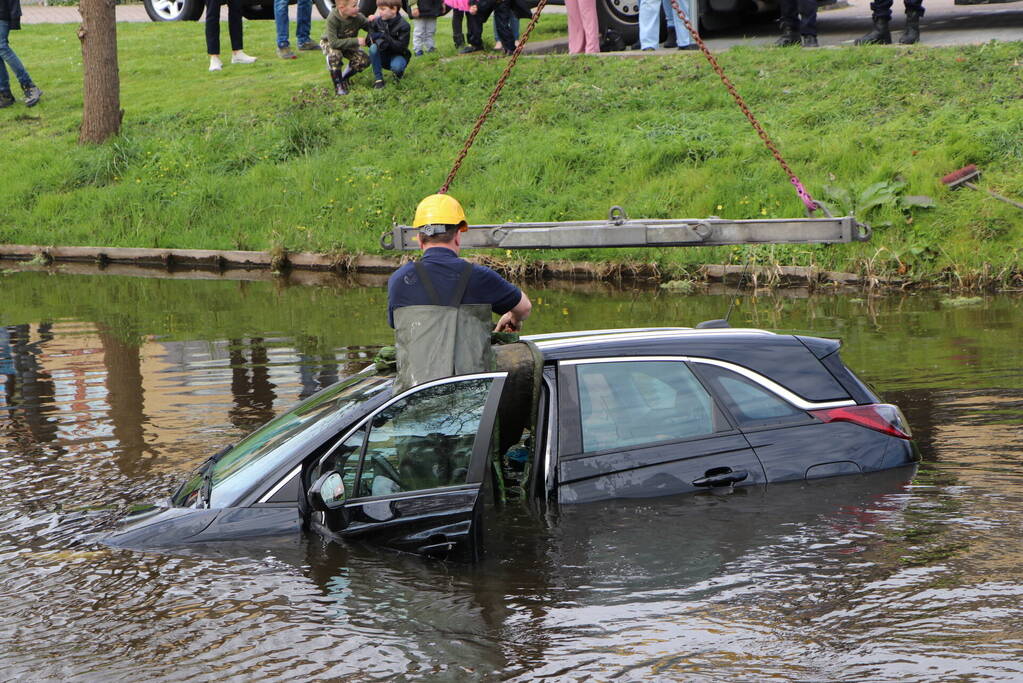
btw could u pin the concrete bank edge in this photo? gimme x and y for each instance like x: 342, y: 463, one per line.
x: 219, y: 262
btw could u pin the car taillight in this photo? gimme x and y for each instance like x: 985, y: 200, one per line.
x: 881, y: 417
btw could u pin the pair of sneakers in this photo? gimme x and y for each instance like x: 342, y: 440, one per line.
x: 285, y: 51
x: 236, y: 58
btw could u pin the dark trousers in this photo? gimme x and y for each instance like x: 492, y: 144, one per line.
x: 882, y: 9
x: 234, y: 24
x: 801, y: 14
x: 503, y: 18
x: 456, y: 27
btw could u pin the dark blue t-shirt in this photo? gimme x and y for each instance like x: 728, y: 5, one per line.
x: 445, y: 269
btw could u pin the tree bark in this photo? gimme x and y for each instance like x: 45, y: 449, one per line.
x: 101, y: 111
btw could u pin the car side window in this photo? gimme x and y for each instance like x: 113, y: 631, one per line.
x: 750, y: 403
x: 638, y: 402
x: 425, y: 440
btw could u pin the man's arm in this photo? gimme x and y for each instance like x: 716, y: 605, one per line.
x: 512, y: 320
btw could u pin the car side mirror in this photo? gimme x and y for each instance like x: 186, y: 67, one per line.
x: 328, y: 493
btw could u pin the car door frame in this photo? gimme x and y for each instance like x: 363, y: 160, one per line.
x: 459, y: 516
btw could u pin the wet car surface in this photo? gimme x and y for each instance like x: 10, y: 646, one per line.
x: 575, y: 418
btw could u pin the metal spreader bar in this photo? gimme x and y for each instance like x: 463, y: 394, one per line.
x: 620, y: 231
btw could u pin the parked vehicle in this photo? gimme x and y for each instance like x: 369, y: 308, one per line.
x: 191, y: 10
x: 567, y: 418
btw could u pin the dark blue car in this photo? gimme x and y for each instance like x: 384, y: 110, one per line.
x: 567, y: 418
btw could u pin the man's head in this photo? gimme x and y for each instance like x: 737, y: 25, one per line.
x: 388, y: 9
x: 440, y: 220
x: 347, y: 8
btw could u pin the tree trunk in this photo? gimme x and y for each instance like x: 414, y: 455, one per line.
x: 101, y: 111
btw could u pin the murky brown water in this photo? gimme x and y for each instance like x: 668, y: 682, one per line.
x: 112, y: 388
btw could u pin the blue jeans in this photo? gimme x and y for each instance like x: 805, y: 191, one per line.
x: 515, y: 30
x: 8, y: 57
x: 303, y: 21
x: 650, y: 22
x: 395, y: 63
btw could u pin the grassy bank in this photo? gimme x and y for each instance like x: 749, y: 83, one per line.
x: 262, y: 157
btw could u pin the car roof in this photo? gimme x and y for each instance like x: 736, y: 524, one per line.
x: 784, y: 358
x: 579, y: 344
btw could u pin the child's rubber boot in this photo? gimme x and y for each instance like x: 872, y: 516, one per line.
x: 340, y: 85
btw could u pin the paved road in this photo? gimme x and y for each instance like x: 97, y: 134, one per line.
x: 944, y: 24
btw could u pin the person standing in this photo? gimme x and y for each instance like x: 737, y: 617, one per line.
x: 479, y: 12
x: 440, y: 306
x: 678, y: 34
x: 234, y: 27
x: 798, y: 23
x: 881, y: 15
x: 424, y: 27
x: 303, y: 24
x: 583, y: 31
x: 10, y: 20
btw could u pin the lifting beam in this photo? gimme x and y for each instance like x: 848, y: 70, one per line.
x: 621, y: 231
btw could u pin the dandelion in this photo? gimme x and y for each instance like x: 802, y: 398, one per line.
x: 507, y: 252
x: 763, y: 211
x: 720, y: 207
x: 564, y: 311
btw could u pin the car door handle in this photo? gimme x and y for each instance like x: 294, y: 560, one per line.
x: 720, y: 476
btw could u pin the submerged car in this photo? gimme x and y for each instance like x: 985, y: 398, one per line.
x: 566, y: 418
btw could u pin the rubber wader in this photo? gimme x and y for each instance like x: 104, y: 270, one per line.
x: 441, y: 340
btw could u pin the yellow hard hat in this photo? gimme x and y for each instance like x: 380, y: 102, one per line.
x: 440, y: 209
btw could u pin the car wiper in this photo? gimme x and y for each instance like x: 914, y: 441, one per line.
x: 206, y: 490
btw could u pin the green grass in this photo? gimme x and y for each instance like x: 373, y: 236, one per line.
x: 263, y: 156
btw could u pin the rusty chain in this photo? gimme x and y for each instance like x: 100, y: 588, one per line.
x: 493, y: 98
x: 804, y: 195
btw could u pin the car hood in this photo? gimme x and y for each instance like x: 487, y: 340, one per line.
x: 159, y: 526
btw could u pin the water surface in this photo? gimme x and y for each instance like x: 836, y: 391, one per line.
x: 112, y: 388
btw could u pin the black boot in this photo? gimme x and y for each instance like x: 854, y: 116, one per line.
x: 810, y: 41
x: 789, y: 36
x: 6, y: 98
x: 340, y: 83
x: 912, y: 33
x: 879, y: 36
x: 671, y: 41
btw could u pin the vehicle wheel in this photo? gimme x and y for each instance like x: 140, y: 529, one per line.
x: 324, y: 7
x: 622, y: 16
x: 173, y: 10
x: 262, y: 10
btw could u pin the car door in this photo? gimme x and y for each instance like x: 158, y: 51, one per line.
x: 409, y: 475
x: 637, y: 427
x: 789, y: 441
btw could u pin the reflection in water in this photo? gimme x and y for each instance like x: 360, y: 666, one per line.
x: 863, y: 578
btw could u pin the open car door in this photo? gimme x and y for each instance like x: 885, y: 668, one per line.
x: 409, y: 475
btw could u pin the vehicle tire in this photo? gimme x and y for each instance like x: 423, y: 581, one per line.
x: 622, y: 16
x: 324, y: 7
x: 259, y: 10
x: 174, y: 10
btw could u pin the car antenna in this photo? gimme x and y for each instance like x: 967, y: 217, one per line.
x: 723, y: 322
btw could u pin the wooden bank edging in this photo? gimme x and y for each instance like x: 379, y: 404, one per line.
x: 217, y: 261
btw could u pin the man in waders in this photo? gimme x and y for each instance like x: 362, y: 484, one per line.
x: 440, y: 306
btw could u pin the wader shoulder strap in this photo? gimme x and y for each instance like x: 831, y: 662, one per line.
x: 427, y: 283
x: 463, y: 284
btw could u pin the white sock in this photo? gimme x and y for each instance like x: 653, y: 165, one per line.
x: 215, y: 64
x: 242, y: 58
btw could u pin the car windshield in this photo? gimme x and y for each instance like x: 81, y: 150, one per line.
x: 265, y: 449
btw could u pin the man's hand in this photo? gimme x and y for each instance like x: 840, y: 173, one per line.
x: 415, y: 12
x: 472, y: 9
x: 508, y: 323
x: 512, y: 320
x: 362, y: 41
